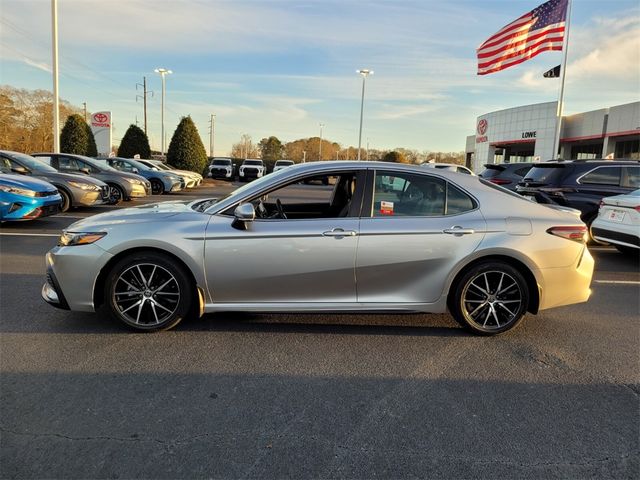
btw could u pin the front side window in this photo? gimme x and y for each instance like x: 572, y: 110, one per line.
x: 68, y: 163
x: 602, y: 176
x: 314, y: 197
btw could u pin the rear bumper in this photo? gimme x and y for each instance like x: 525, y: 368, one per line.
x: 628, y: 239
x: 567, y: 285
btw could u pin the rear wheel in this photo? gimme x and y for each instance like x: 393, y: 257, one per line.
x: 490, y: 298
x: 157, y: 187
x: 149, y: 291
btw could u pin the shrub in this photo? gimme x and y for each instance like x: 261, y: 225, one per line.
x: 134, y: 142
x: 186, y: 150
x: 74, y: 138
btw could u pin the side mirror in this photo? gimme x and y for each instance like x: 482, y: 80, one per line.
x: 135, y: 170
x: 85, y: 170
x: 20, y: 169
x: 243, y: 213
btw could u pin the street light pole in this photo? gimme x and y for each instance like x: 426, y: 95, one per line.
x: 163, y: 72
x: 56, y: 101
x: 364, y: 72
x: 320, y: 149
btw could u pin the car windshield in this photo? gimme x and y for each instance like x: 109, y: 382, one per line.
x: 159, y: 165
x: 253, y: 162
x: 221, y: 162
x: 281, y: 163
x: 137, y: 164
x: 31, y: 163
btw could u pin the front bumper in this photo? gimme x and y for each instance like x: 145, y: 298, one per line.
x: 175, y: 186
x: 138, y: 191
x: 221, y: 173
x: 89, y: 199
x: 71, y: 276
x: 251, y: 173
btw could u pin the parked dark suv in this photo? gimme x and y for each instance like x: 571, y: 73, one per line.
x: 580, y: 184
x: 506, y: 175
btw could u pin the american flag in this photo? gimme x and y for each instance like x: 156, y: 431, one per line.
x: 535, y: 32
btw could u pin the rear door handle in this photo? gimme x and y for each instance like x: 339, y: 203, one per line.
x: 457, y: 230
x: 339, y: 232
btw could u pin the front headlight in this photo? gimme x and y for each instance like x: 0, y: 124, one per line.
x: 133, y: 181
x: 68, y: 239
x: 84, y: 186
x: 17, y: 191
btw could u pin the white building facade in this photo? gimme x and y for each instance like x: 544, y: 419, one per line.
x: 526, y: 134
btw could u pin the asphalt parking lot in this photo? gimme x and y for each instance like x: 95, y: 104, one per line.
x: 323, y: 396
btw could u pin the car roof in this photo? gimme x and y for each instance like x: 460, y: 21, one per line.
x: 593, y: 161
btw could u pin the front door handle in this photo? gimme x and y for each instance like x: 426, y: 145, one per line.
x: 458, y: 231
x: 339, y: 232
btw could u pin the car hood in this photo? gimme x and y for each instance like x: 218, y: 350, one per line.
x: 151, y: 212
x: 126, y: 175
x: 66, y: 177
x: 29, y: 183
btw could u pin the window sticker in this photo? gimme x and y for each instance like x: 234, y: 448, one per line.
x: 386, y: 208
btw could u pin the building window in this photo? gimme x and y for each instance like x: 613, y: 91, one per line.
x: 628, y: 149
x: 586, y: 152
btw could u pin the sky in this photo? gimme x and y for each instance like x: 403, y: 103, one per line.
x: 283, y: 67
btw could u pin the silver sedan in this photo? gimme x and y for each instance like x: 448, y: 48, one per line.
x: 327, y: 237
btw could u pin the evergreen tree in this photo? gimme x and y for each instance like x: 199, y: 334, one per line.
x: 74, y: 138
x: 395, y: 156
x: 134, y: 142
x: 186, y: 150
x: 92, y: 149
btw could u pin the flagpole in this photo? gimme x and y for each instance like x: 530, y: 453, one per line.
x: 563, y: 72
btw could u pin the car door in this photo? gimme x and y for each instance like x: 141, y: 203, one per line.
x: 412, y: 234
x: 306, y: 259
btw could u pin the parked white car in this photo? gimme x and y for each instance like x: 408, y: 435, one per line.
x: 280, y: 164
x: 452, y: 167
x: 192, y: 179
x: 618, y: 222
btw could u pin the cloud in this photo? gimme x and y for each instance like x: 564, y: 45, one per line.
x: 396, y: 113
x: 39, y: 65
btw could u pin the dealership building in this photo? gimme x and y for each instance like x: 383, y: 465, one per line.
x: 526, y: 134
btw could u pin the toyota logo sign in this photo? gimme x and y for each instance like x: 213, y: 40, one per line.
x: 101, y: 118
x: 482, y: 127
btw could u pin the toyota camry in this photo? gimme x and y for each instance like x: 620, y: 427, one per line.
x: 328, y: 237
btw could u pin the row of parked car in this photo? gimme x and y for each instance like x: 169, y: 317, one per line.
x: 607, y: 193
x: 250, y: 169
x: 42, y: 184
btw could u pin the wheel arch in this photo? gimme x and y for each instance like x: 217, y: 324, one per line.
x: 98, y: 287
x: 66, y: 190
x: 532, y: 283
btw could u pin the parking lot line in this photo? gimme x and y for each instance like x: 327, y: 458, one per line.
x: 622, y: 282
x: 8, y: 234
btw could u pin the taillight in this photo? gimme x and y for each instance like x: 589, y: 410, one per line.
x: 500, y: 181
x: 637, y: 208
x: 577, y: 233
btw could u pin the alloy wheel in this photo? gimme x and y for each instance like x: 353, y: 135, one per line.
x: 492, y: 300
x: 146, y: 294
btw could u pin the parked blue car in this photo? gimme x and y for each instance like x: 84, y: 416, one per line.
x: 161, y: 181
x: 23, y: 198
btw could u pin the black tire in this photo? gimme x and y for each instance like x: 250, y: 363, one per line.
x: 116, y: 194
x: 66, y: 200
x: 490, y: 298
x: 631, y: 252
x: 157, y: 187
x: 155, y: 280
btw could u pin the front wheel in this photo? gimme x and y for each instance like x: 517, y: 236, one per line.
x: 491, y: 298
x: 116, y: 194
x: 149, y: 291
x: 66, y: 200
x: 157, y: 187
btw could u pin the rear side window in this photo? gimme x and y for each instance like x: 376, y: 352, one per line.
x: 546, y: 173
x: 68, y: 163
x: 457, y: 201
x: 603, y: 176
x: 631, y: 177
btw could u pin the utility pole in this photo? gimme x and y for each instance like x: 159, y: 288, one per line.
x: 144, y: 99
x: 211, y: 134
x: 56, y: 100
x: 84, y: 107
x: 304, y: 156
x: 320, y: 149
